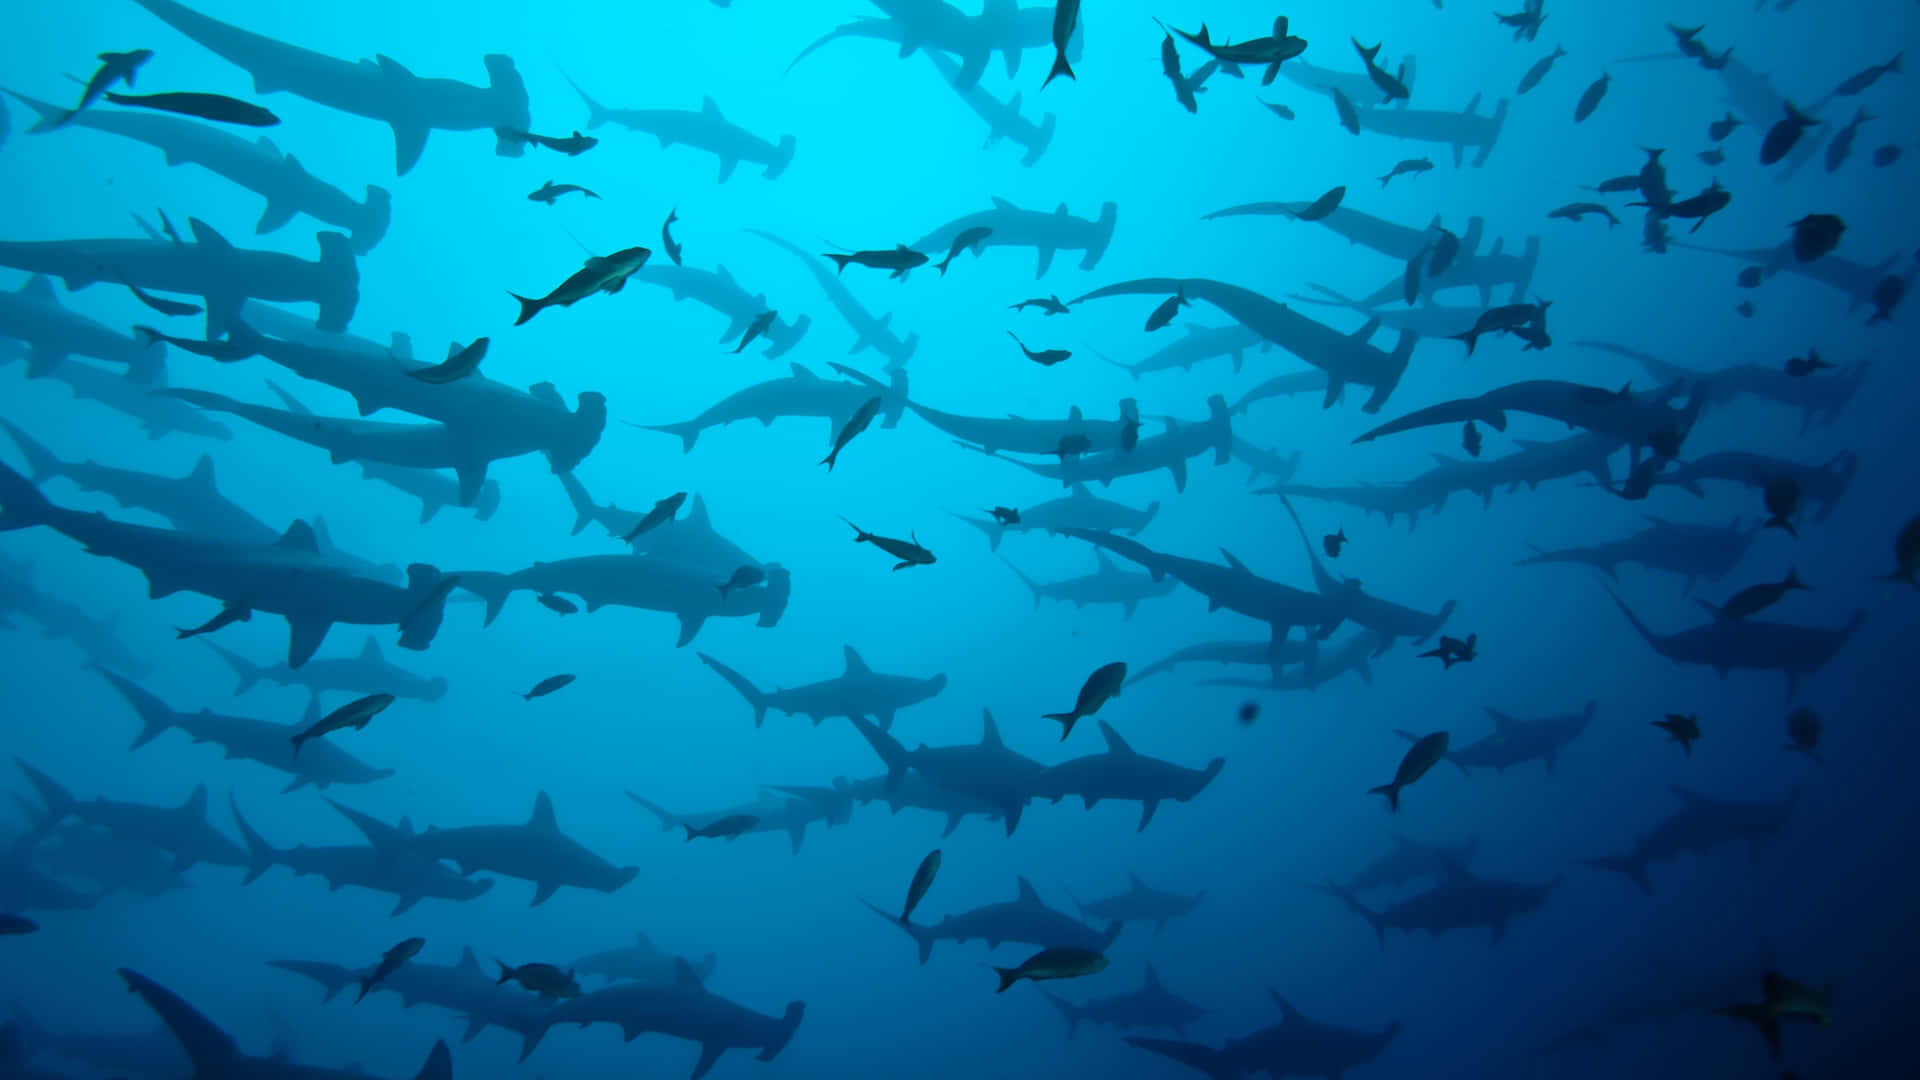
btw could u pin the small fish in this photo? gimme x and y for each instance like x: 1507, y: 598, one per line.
x: 1579, y: 210
x: 1745, y: 309
x: 1164, y: 314
x: 1333, y: 542
x: 1072, y: 444
x: 1045, y: 357
x: 227, y: 617
x: 550, y: 192
x: 1700, y: 207
x: 758, y: 326
x: 855, y: 424
x: 1683, y: 729
x: 1886, y: 297
x: 573, y: 145
x: 1539, y: 70
x: 1349, y: 116
x: 1782, y: 136
x: 545, y: 980
x: 1426, y: 752
x: 354, y: 714
x: 970, y: 238
x: 1390, y: 86
x: 547, y: 686
x: 1470, y: 440
x: 1803, y: 732
x: 1048, y: 305
x: 1060, y: 962
x: 1782, y: 999
x: 1906, y: 553
x: 1801, y: 366
x: 900, y: 260
x: 390, y: 961
x: 1751, y: 277
x: 1841, y: 146
x: 1781, y: 495
x: 1618, y: 184
x: 662, y: 512
x: 1101, y: 687
x: 1723, y: 127
x: 1249, y: 712
x: 1066, y: 18
x: 216, y: 107
x: 667, y: 243
x: 1816, y: 235
x: 558, y: 604
x: 1755, y: 599
x: 1409, y: 167
x: 601, y: 274
x: 1452, y: 650
x: 909, y: 551
x: 1854, y: 84
x: 459, y: 364
x: 1590, y: 100
x: 1715, y: 156
x: 923, y: 876
x: 1886, y: 156
x: 727, y: 828
x: 1005, y: 515
x: 225, y: 352
x: 1324, y: 205
x: 16, y: 925
x: 114, y: 67
x: 745, y: 577
x: 173, y: 308
x: 1280, y: 111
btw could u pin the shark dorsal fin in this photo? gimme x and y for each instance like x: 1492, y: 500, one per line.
x: 801, y: 373
x: 1028, y: 895
x: 299, y: 537
x: 697, y: 516
x: 1133, y: 879
x: 321, y: 536
x: 469, y: 964
x: 202, y: 473
x: 543, y: 814
x: 38, y: 287
x: 709, y: 109
x: 1115, y: 744
x: 196, y: 804
x: 855, y: 665
x: 371, y: 650
x: 990, y: 731
x: 1501, y: 721
x: 1287, y: 1011
x: 1074, y: 415
x: 204, y: 233
x: 1102, y: 564
x: 683, y: 973
x: 1153, y: 977
x: 1002, y: 204
x: 1233, y: 562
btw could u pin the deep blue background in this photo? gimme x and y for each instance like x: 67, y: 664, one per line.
x: 886, y: 153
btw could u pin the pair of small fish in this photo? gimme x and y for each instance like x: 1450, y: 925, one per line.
x: 122, y: 67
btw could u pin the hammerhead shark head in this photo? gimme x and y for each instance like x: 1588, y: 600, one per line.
x: 378, y: 89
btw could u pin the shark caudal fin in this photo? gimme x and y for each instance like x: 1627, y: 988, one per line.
x: 922, y: 936
x: 754, y: 695
x: 892, y: 754
x: 21, y: 504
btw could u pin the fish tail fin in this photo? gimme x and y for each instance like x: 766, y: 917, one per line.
x: 1060, y: 67
x: 1068, y: 1010
x: 1009, y: 976
x: 529, y: 308
x: 1067, y: 720
x: 1392, y: 792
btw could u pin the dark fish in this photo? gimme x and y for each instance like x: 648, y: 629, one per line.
x: 1129, y: 429
x: 743, y: 578
x: 1390, y: 86
x: 16, y: 925
x: 1249, y: 712
x: 1715, y: 156
x: 601, y: 274
x: 1886, y: 156
x: 899, y: 260
x: 173, y: 308
x: 1618, y: 184
x: 1470, y: 440
x: 457, y: 365
x: 1802, y: 366
x: 1164, y: 314
x: 1781, y: 137
x: 1886, y: 297
x: 1072, y: 444
x: 573, y: 145
x: 1066, y: 16
x: 667, y: 242
x: 1333, y: 542
x: 1590, y: 100
x: 1101, y: 687
x: 216, y: 107
x: 727, y: 828
x: 1045, y: 357
x: 550, y: 192
x: 1409, y: 167
x: 545, y: 980
x: 970, y: 238
x: 547, y: 686
x: 1453, y: 650
x: 1576, y: 211
x: 1653, y: 181
x: 1723, y: 127
x: 391, y: 961
x: 1853, y: 85
x: 114, y: 67
x: 225, y: 352
x: 909, y: 551
x: 1349, y: 116
x: 1684, y: 729
x: 1816, y: 235
x: 1005, y: 515
x: 1426, y: 752
x: 1842, y: 143
x: 754, y: 329
x: 557, y: 604
x: 1781, y: 496
x: 855, y: 424
x: 1906, y: 553
x: 354, y: 714
x: 1803, y: 732
x: 1702, y: 206
x: 1048, y: 305
x: 1745, y: 309
x: 1782, y: 999
x: 1755, y: 599
x: 1539, y: 70
x: 1324, y: 205
x: 662, y: 512
x: 922, y: 881
x: 1060, y: 962
x: 227, y: 617
x: 1280, y: 111
x: 1751, y: 277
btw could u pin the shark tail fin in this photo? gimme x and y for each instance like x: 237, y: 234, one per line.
x: 596, y: 115
x: 245, y: 671
x: 893, y: 755
x: 757, y: 698
x: 260, y: 854
x: 22, y: 505
x: 1634, y: 868
x: 789, y: 1023
x: 490, y: 587
x: 1214, y: 1063
x: 1068, y: 1010
x: 580, y: 500
x: 41, y: 462
x: 922, y: 936
x: 1032, y: 585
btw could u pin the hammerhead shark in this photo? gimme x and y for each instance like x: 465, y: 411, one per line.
x: 717, y: 289
x: 703, y: 129
x: 1046, y: 233
x: 871, y: 332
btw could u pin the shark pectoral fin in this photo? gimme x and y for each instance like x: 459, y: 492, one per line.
x: 275, y: 215
x: 727, y: 165
x: 1046, y: 261
x: 472, y: 478
x: 409, y: 142
x: 709, y: 1054
x: 543, y: 891
x: 406, y: 903
x: 41, y: 360
x: 689, y: 626
x: 304, y: 638
x: 971, y: 70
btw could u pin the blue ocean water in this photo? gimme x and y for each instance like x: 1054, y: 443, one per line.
x: 1595, y: 977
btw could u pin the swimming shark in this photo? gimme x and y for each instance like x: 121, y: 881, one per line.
x: 771, y: 813
x: 192, y: 502
x: 1108, y: 584
x: 1749, y: 644
x: 262, y: 741
x: 1046, y: 233
x: 1125, y: 775
x: 641, y: 961
x: 1401, y: 243
x: 1458, y: 901
x: 208, y: 266
x: 716, y: 289
x: 971, y: 41
x: 182, y: 830
x: 1079, y: 509
x: 858, y: 692
x: 1200, y: 344
x: 689, y: 593
x: 1458, y: 131
x: 1170, y: 449
x: 97, y: 637
x: 379, y: 89
x: 1314, y: 665
x: 364, y: 673
x: 1004, y: 119
x: 377, y: 867
x: 1346, y: 358
x: 149, y: 1053
x: 871, y: 333
x: 703, y: 129
x: 130, y: 393
x: 1297, y: 1046
x: 1517, y: 742
x: 1820, y: 486
x: 1389, y: 620
x: 215, y: 1055
x: 1140, y: 903
x: 1151, y: 1006
x: 1409, y: 861
x: 32, y: 314
x: 1702, y: 824
x: 1236, y: 653
x: 535, y: 850
x: 1692, y: 551
x: 1637, y: 420
x: 1855, y: 280
x: 257, y: 165
x: 463, y: 988
x: 1025, y: 435
x: 800, y: 393
x: 987, y: 772
x: 1025, y: 920
x: 689, y: 540
x: 1822, y: 398
x: 434, y: 488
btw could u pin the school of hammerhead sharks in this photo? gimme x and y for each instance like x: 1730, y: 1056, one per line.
x: 225, y: 302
